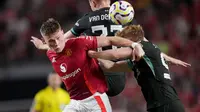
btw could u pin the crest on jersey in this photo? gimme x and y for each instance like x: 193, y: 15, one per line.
x: 63, y: 67
x: 68, y: 52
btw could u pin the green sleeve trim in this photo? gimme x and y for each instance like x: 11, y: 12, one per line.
x: 148, y: 61
x: 84, y: 34
x: 74, y: 33
x: 130, y: 64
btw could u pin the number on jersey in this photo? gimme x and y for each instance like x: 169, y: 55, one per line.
x: 166, y: 75
x: 105, y: 31
x: 163, y: 62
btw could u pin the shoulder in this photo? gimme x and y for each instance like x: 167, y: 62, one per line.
x: 50, y: 52
x: 85, y: 37
x: 151, y: 50
x: 82, y: 39
x: 102, y: 10
x: 40, y: 93
x: 147, y: 45
x: 73, y: 41
x: 93, y: 13
x: 86, y: 16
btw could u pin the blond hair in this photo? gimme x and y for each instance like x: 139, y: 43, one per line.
x: 135, y: 31
x: 98, y: 1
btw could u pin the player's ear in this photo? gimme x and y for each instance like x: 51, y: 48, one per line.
x: 62, y: 31
x: 94, y: 3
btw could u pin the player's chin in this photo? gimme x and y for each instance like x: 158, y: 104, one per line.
x: 57, y: 50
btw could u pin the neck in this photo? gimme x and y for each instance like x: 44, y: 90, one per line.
x: 54, y: 88
x: 144, y: 39
x: 103, y: 5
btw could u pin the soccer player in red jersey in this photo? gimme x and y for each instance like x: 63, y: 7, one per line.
x: 82, y: 76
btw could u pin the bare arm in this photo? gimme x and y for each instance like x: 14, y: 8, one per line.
x: 175, y: 61
x: 40, y: 45
x: 113, y: 40
x: 121, y: 53
x: 120, y: 66
x: 68, y: 35
x: 114, y: 54
x: 167, y: 58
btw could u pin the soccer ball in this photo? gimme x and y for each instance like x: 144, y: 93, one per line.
x: 121, y: 12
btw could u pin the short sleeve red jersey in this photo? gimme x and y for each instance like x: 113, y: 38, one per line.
x: 81, y: 74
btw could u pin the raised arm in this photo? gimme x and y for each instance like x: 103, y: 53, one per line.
x: 175, y: 61
x: 133, y: 49
x: 114, y: 40
x: 115, y: 54
x: 42, y: 46
x: 68, y: 35
x: 38, y: 43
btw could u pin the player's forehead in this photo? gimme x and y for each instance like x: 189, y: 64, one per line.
x: 53, y: 76
x: 55, y: 35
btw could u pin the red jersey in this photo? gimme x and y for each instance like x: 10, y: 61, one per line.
x: 81, y: 74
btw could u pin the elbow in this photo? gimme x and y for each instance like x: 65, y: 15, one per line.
x: 107, y: 68
x: 106, y: 65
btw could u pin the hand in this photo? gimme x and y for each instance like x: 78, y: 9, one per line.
x: 175, y: 61
x: 180, y: 63
x: 38, y: 43
x: 138, y: 52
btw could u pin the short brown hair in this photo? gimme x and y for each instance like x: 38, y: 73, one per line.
x: 135, y: 30
x: 49, y: 27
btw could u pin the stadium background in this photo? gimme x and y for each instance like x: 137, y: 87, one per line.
x: 172, y: 24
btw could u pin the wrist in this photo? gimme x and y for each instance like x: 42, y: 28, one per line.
x: 134, y: 44
x: 44, y: 47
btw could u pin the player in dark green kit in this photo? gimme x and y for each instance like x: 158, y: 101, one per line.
x: 151, y: 71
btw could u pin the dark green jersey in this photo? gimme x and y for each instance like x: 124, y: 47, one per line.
x: 152, y: 74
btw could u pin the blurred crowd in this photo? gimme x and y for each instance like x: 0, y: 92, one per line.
x: 174, y: 25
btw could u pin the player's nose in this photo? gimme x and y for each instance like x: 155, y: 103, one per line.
x: 56, y: 42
